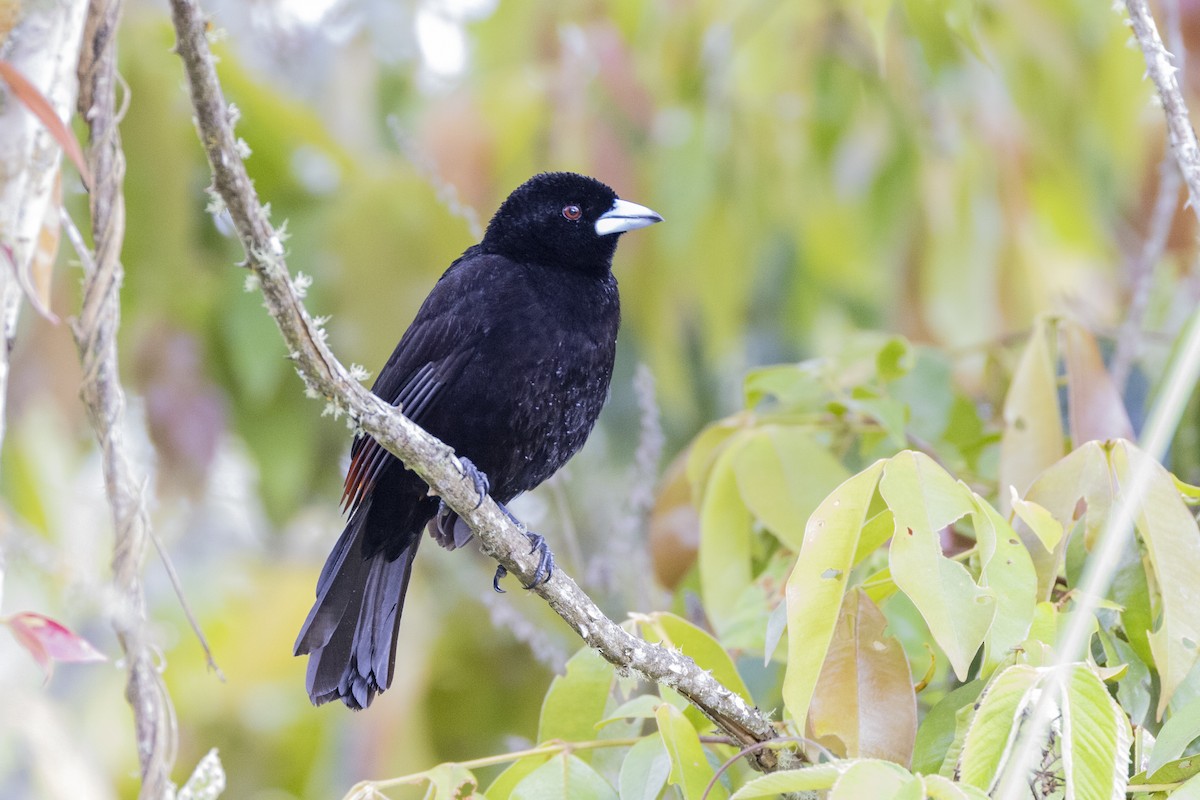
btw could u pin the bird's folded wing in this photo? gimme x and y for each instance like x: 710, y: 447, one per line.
x: 415, y: 397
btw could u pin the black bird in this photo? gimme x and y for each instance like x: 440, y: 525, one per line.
x: 508, y: 361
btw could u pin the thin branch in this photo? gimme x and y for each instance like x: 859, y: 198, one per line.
x: 1142, y: 265
x: 432, y: 460
x: 95, y: 334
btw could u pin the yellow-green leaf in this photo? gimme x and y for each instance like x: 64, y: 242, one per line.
x: 924, y: 499
x: 818, y: 581
x: 1172, y: 542
x: 725, y: 539
x: 690, y: 770
x: 575, y: 702
x: 1033, y: 432
x: 783, y: 475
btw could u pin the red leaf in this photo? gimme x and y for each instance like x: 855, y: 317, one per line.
x: 48, y: 641
x: 35, y: 101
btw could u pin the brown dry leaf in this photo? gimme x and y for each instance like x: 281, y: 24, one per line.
x: 864, y: 697
x: 674, y: 526
x: 1094, y: 407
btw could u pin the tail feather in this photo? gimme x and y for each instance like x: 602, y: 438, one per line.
x: 350, y: 633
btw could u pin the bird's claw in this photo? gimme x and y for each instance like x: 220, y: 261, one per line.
x: 545, y: 567
x: 478, y: 479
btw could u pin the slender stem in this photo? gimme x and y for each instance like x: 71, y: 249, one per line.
x: 95, y: 333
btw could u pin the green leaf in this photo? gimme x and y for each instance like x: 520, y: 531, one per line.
x: 1181, y: 729
x: 782, y: 475
x: 994, y: 729
x: 941, y: 788
x: 451, y: 782
x: 937, y: 729
x: 1181, y: 769
x: 1096, y: 739
x: 1047, y: 529
x: 925, y: 499
x: 1006, y: 569
x: 502, y: 787
x: 1033, y: 430
x: 561, y: 777
x: 645, y: 770
x: 1190, y: 790
x: 575, y: 702
x: 818, y: 582
x: 1083, y: 474
x: 795, y: 387
x: 640, y: 707
x: 725, y: 539
x: 896, y: 358
x: 877, y: 780
x: 690, y: 770
x: 821, y: 776
x: 1172, y: 541
x: 890, y: 413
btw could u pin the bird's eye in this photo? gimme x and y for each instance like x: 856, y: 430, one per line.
x: 572, y: 212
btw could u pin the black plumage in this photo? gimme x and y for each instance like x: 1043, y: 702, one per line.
x: 508, y: 361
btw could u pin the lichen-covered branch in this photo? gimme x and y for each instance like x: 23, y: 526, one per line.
x: 420, y: 452
x: 1162, y: 72
x: 95, y: 332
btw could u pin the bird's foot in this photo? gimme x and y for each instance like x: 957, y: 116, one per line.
x: 478, y: 479
x: 545, y: 567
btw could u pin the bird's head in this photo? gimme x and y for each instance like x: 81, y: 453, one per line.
x: 561, y: 218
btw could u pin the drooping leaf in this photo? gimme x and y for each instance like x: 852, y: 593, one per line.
x: 1172, y: 540
x: 864, y: 695
x: 725, y: 539
x: 1007, y: 569
x: 1033, y: 432
x: 818, y: 582
x: 1094, y: 406
x: 924, y: 499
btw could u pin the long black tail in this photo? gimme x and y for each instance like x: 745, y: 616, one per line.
x: 350, y: 633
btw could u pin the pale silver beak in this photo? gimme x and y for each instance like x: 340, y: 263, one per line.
x: 625, y: 216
